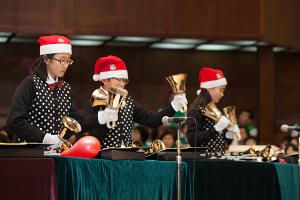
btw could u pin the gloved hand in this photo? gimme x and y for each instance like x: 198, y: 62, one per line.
x: 222, y: 124
x: 107, y: 115
x: 51, y: 139
x: 233, y: 133
x: 179, y: 101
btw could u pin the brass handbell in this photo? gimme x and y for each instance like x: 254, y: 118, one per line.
x: 99, y: 99
x: 229, y: 112
x: 177, y: 83
x: 69, y: 124
x: 115, y: 101
x: 211, y: 111
x: 266, y: 152
x: 157, y: 146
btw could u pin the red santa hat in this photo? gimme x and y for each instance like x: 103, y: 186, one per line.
x: 54, y: 44
x: 110, y: 67
x: 210, y: 78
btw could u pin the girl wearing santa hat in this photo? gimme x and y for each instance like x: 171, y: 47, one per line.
x: 207, y: 133
x: 111, y: 72
x: 44, y: 98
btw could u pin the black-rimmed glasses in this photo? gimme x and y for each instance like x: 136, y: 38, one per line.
x: 64, y: 62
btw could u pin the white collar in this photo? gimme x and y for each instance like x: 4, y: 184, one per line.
x: 51, y: 80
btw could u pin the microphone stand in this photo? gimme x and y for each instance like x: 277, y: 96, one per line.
x: 299, y: 151
x: 179, y: 162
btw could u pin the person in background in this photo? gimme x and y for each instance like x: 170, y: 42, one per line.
x: 4, y: 135
x: 206, y: 132
x: 43, y: 98
x: 140, y: 134
x: 246, y: 118
x: 168, y: 137
x: 250, y: 141
x: 111, y: 72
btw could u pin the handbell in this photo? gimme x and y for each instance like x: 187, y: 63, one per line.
x: 229, y: 112
x: 69, y: 125
x: 99, y: 99
x: 115, y: 101
x: 177, y: 83
x: 157, y: 146
x: 211, y: 111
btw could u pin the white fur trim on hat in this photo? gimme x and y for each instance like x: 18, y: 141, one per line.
x: 212, y: 84
x: 55, y: 48
x: 112, y: 74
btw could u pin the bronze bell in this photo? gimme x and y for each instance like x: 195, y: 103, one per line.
x: 99, y: 99
x: 116, y: 97
x: 157, y: 146
x: 211, y: 111
x: 229, y: 112
x: 177, y: 83
x: 266, y: 152
x: 69, y: 124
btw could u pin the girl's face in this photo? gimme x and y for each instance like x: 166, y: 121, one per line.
x: 216, y: 93
x: 58, y: 65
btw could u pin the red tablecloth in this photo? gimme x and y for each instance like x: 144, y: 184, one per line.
x: 28, y: 178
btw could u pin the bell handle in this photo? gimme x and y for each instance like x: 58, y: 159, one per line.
x: 183, y: 109
x: 111, y: 124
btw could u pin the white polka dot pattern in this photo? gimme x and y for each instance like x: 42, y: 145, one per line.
x: 215, y: 144
x: 122, y: 130
x: 46, y: 111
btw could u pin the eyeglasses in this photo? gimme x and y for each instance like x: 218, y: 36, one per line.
x: 64, y: 62
x: 124, y: 80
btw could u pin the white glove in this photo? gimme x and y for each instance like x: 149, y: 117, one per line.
x: 107, y: 115
x: 222, y: 124
x: 51, y: 139
x: 179, y: 101
x: 233, y: 133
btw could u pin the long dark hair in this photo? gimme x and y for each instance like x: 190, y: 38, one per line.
x: 39, y: 67
x: 202, y: 100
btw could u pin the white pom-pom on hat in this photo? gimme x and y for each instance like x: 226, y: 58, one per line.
x: 96, y: 77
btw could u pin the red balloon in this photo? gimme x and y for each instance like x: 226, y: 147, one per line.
x: 85, y: 147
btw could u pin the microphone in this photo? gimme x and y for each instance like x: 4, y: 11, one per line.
x: 286, y: 128
x: 167, y: 120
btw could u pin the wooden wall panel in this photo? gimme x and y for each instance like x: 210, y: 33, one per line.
x: 266, y: 93
x: 271, y: 19
x: 239, y: 18
x: 281, y: 21
x: 45, y: 16
x: 7, y: 14
x: 94, y: 16
x: 192, y: 18
x: 290, y: 29
x: 142, y: 17
x: 287, y: 84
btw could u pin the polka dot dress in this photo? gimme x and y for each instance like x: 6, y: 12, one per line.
x: 48, y: 108
x: 122, y: 131
x: 215, y: 144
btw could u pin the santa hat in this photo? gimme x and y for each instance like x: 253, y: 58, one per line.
x: 210, y: 78
x: 54, y: 44
x: 110, y: 67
